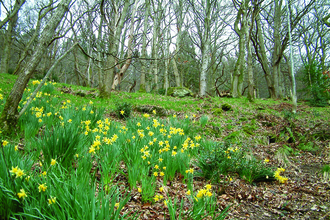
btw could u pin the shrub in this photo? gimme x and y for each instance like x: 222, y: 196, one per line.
x: 317, y: 84
x: 123, y: 110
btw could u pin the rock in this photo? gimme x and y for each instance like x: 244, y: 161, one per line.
x: 226, y: 107
x: 90, y: 93
x: 179, y: 92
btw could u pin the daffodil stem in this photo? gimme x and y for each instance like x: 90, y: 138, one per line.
x: 4, y: 158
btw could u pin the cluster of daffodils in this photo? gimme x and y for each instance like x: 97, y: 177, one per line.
x: 97, y: 142
x: 159, y: 197
x: 102, y: 126
x: 145, y: 152
x: 17, y: 171
x: 38, y: 112
x: 206, y: 192
x: 35, y: 82
x: 230, y: 150
x: 158, y: 172
x: 66, y: 104
x: 280, y: 178
x: 189, y: 143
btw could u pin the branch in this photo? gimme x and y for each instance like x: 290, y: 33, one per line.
x: 17, y: 7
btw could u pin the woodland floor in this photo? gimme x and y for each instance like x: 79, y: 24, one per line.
x: 305, y: 196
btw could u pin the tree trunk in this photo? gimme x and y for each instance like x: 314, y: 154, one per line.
x: 117, y: 24
x: 260, y: 50
x: 6, y: 54
x: 120, y: 74
x: 9, y: 114
x: 144, y: 48
x: 238, y: 77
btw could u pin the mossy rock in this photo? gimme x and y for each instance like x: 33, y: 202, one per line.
x: 179, y: 92
x: 217, y: 111
x: 150, y: 108
x: 89, y: 93
x: 226, y: 107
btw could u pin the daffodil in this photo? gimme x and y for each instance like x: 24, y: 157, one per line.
x: 42, y: 187
x: 22, y: 194
x: 188, y: 193
x: 4, y: 143
x: 53, y: 162
x: 52, y: 200
x: 19, y: 173
x: 14, y: 170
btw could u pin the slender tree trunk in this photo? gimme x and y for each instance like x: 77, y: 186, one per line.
x: 262, y: 57
x: 144, y: 48
x: 206, y: 52
x: 277, y: 47
x: 238, y: 77
x: 99, y: 55
x: 9, y: 118
x: 291, y: 70
x: 250, y: 71
x: 120, y: 74
x: 6, y: 53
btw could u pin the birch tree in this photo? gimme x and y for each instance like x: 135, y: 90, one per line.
x: 202, y: 14
x: 241, y: 29
x: 144, y: 47
x: 280, y: 39
x: 114, y: 16
x: 118, y: 76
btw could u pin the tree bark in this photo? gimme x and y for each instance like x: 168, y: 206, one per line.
x: 238, y: 77
x: 116, y: 27
x: 144, y: 47
x: 9, y: 116
x: 120, y: 74
x: 6, y: 54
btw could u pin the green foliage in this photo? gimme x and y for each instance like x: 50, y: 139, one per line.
x: 317, y: 84
x: 228, y: 160
x: 203, y: 120
x: 309, y: 146
x: 61, y: 143
x: 123, y: 110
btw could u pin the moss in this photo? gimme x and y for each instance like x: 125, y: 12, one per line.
x: 142, y: 88
x: 226, y: 107
x: 217, y: 111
